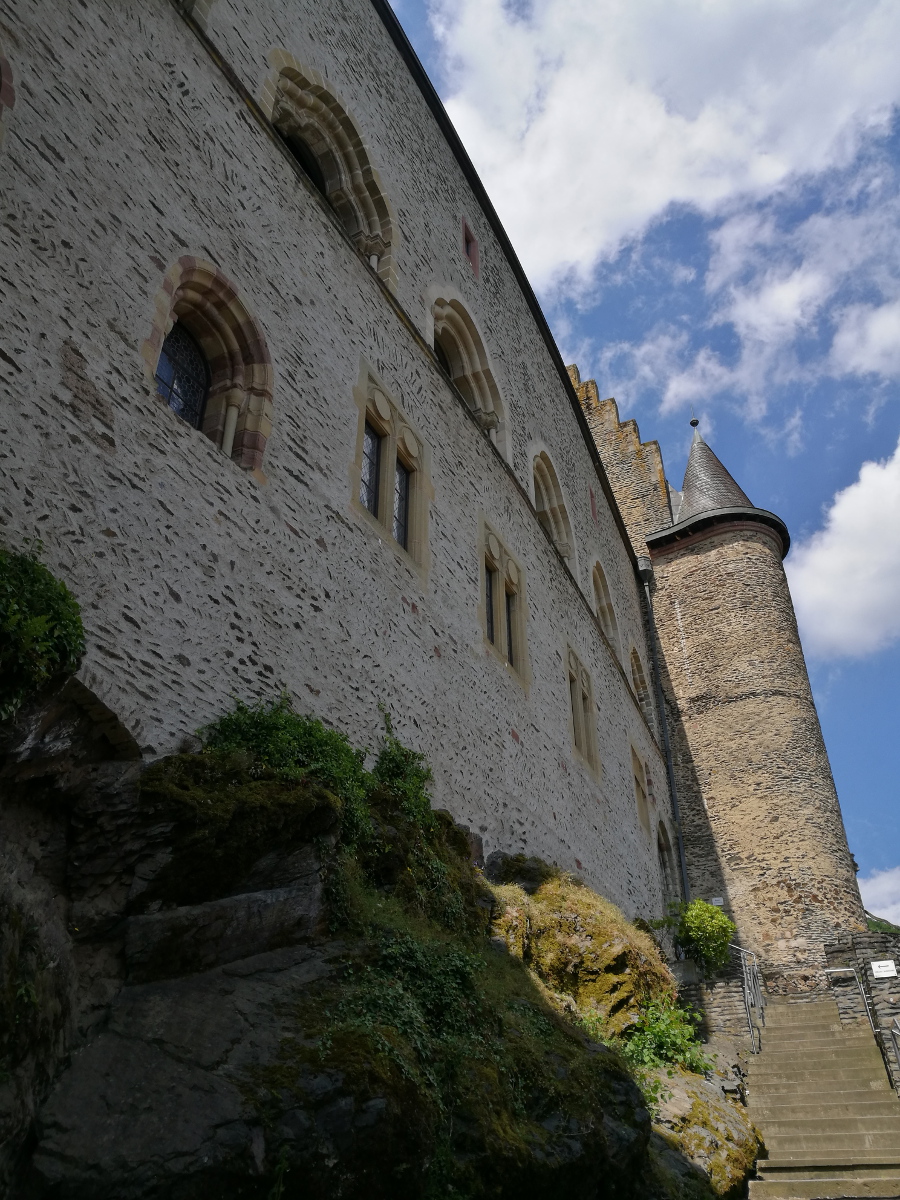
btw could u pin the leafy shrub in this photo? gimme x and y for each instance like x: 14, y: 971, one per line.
x: 702, y: 931
x: 665, y: 1033
x: 41, y: 635
x: 272, y: 738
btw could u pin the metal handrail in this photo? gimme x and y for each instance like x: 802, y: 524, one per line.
x: 894, y: 1031
x: 865, y: 999
x: 754, y: 997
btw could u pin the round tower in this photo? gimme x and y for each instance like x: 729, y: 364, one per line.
x: 761, y: 821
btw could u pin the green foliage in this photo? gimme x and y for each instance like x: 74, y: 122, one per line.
x: 665, y: 1033
x: 41, y: 635
x: 702, y: 931
x: 880, y: 925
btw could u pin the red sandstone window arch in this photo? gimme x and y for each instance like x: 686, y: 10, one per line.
x: 332, y: 150
x: 238, y: 410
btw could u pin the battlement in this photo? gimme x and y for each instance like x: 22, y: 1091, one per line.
x: 635, y: 468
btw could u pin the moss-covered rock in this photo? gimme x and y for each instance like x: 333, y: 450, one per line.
x: 582, y: 947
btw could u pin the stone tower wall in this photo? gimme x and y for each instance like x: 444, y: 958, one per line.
x: 634, y: 468
x: 761, y: 820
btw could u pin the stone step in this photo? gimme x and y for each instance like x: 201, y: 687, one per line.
x: 829, y: 1166
x: 832, y: 1143
x: 798, y: 1029
x: 840, y: 1126
x: 864, y: 1050
x: 823, y: 1189
x: 824, y: 1074
x: 861, y: 1105
x: 801, y: 1014
x: 841, y: 1082
x: 777, y: 1039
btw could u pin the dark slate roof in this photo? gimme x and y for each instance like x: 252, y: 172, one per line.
x: 707, y: 484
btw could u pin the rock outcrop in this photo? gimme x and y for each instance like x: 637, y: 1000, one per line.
x: 248, y: 982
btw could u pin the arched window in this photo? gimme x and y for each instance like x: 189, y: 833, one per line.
x: 551, y: 509
x: 330, y: 148
x: 641, y: 690
x: 666, y: 864
x: 182, y: 375
x: 209, y: 360
x: 606, y: 614
x: 461, y: 352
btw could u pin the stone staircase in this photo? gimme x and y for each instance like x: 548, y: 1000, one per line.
x: 820, y: 1096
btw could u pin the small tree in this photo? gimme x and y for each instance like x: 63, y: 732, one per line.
x: 41, y: 635
x: 702, y: 931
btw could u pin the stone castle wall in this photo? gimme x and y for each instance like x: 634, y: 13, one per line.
x: 635, y: 468
x: 761, y: 819
x: 130, y: 146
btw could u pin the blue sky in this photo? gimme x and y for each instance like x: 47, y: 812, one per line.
x: 706, y: 197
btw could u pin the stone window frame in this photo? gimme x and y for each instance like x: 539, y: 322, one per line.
x: 300, y: 102
x: 551, y: 509
x: 239, y: 405
x: 402, y: 441
x: 582, y: 712
x: 462, y: 354
x: 639, y: 684
x: 641, y: 791
x: 494, y: 554
x: 605, y: 609
x: 7, y: 92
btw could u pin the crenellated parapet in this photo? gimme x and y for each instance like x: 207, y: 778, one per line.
x: 635, y: 468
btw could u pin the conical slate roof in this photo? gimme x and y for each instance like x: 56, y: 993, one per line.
x: 707, y: 484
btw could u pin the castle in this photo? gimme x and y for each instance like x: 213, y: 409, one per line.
x: 285, y: 413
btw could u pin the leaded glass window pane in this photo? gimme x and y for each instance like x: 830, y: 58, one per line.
x: 182, y: 376
x: 401, y: 504
x: 489, y: 602
x: 510, y: 628
x: 371, y: 469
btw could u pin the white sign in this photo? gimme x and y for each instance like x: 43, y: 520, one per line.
x: 885, y: 968
x: 719, y: 901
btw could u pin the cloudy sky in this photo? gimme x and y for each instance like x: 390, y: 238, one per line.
x: 706, y: 196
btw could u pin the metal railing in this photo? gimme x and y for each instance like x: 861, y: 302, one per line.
x: 893, y: 1031
x: 754, y: 997
x: 862, y: 991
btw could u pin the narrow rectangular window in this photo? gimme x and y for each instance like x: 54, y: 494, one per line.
x: 371, y: 469
x: 587, y: 722
x: 489, y: 574
x: 577, y: 713
x: 510, y: 628
x: 401, y: 504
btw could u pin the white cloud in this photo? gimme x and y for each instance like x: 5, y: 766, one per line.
x: 587, y: 118
x: 868, y: 340
x: 845, y: 579
x: 881, y: 894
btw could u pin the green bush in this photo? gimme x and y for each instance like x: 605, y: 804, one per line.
x: 702, y: 931
x: 665, y: 1033
x: 705, y: 933
x: 41, y: 635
